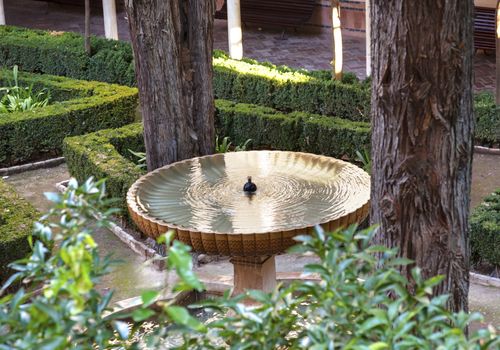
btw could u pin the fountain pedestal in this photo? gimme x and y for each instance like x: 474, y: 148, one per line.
x: 254, y: 273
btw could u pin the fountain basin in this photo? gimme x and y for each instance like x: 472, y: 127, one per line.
x: 203, y: 201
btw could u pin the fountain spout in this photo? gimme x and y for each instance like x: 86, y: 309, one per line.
x: 249, y: 187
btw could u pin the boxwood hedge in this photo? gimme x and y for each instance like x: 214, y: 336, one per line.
x: 76, y: 107
x: 16, y: 222
x: 487, y: 120
x: 105, y: 153
x: 247, y: 81
x: 485, y: 231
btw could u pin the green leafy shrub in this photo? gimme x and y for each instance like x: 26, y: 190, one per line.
x: 485, y: 231
x: 487, y: 120
x: 246, y: 81
x: 287, y: 89
x: 17, y: 217
x: 61, y: 53
x: 107, y: 153
x: 360, y: 302
x: 77, y: 107
x: 16, y: 98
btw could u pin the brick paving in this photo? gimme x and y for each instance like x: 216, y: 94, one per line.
x: 294, y: 48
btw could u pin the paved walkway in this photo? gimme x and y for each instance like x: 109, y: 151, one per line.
x: 311, y: 51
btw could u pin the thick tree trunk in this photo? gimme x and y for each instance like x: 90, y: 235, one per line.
x: 172, y: 42
x: 422, y: 122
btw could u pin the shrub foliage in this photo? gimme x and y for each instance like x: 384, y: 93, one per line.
x: 361, y: 302
x: 485, y: 231
x: 17, y: 217
x: 77, y: 107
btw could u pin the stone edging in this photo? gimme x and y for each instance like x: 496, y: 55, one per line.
x: 485, y: 280
x: 31, y: 166
x: 137, y: 246
x: 487, y: 150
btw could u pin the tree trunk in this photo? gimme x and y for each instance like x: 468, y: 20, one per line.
x: 172, y: 42
x: 337, y: 61
x: 87, y: 27
x: 422, y: 143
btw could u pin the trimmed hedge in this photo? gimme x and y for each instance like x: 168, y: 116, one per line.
x: 17, y: 217
x: 104, y: 154
x: 287, y: 89
x: 62, y: 53
x: 77, y: 107
x: 485, y: 231
x: 246, y: 81
x: 487, y: 120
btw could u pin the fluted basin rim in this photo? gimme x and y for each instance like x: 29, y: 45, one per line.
x: 163, y: 225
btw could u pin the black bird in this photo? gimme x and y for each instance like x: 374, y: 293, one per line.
x: 250, y: 187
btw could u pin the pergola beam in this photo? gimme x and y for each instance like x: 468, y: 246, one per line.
x: 368, y: 38
x: 2, y: 13
x: 234, y: 33
x: 497, y: 44
x: 110, y: 21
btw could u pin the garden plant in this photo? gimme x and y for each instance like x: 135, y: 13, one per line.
x: 360, y: 302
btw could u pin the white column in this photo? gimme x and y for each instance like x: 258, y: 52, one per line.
x: 234, y: 34
x: 110, y: 22
x: 368, y: 36
x: 2, y: 13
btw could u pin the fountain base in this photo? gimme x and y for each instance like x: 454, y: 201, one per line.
x: 254, y: 273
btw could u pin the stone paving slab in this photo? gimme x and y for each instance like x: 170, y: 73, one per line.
x: 294, y: 48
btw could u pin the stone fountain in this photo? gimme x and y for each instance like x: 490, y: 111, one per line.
x: 212, y: 206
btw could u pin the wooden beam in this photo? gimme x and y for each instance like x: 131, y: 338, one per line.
x: 110, y: 21
x: 87, y: 27
x: 497, y: 43
x: 368, y: 36
x: 337, y: 62
x: 2, y: 13
x: 234, y: 33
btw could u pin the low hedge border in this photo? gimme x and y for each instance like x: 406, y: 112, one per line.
x: 17, y: 217
x: 246, y: 81
x: 104, y: 154
x: 76, y: 107
x: 485, y: 231
x: 487, y: 120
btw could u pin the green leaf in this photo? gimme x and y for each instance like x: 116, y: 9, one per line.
x: 140, y: 315
x: 149, y: 297
x: 181, y: 316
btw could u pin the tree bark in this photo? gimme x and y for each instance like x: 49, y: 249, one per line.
x: 422, y: 142
x: 172, y: 42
